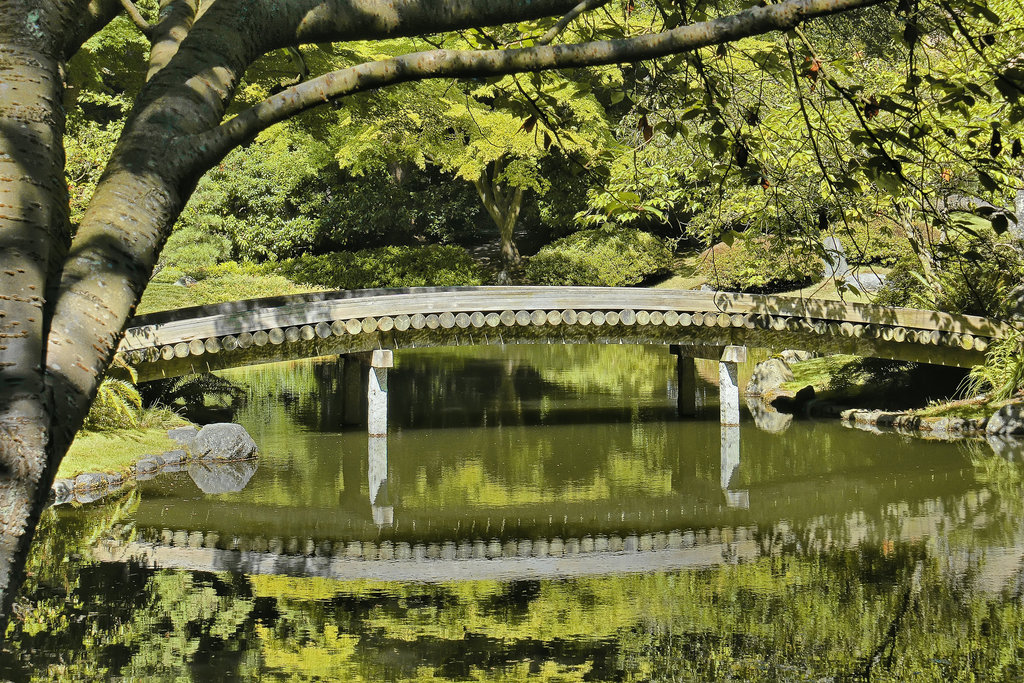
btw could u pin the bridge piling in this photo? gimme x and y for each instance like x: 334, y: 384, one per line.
x: 686, y: 374
x: 728, y: 384
x: 377, y: 393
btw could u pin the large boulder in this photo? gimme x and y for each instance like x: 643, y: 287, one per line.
x: 769, y: 376
x: 223, y: 441
x: 1008, y: 421
x: 185, y: 436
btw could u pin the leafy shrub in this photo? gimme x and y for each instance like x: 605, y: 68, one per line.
x: 873, y: 243
x: 973, y: 277
x: 760, y: 265
x: 433, y: 265
x: 600, y: 257
x: 191, y: 249
x: 1002, y: 373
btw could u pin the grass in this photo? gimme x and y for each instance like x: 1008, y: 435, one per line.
x: 686, y: 275
x: 116, y: 450
x: 967, y: 408
x: 819, y: 373
x: 162, y: 294
x: 113, y: 451
x: 826, y: 289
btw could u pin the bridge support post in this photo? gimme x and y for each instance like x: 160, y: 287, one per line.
x: 377, y: 393
x: 353, y: 377
x: 686, y: 376
x: 728, y: 384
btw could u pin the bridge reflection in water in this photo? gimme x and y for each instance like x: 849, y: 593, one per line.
x: 383, y: 525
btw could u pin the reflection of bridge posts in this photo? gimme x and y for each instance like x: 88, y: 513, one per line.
x: 377, y: 475
x: 728, y: 385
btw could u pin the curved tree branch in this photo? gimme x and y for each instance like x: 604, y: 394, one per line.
x: 566, y: 20
x: 469, y: 63
x: 176, y: 18
x: 136, y: 16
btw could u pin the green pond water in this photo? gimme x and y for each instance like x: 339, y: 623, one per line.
x: 536, y: 513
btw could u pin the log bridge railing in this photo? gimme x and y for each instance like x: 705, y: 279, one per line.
x: 261, y: 330
x: 370, y: 324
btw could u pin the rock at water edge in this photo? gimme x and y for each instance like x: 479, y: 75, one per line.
x: 769, y: 376
x: 1008, y: 420
x: 223, y: 441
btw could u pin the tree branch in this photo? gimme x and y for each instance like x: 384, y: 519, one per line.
x: 176, y: 18
x: 136, y: 16
x: 567, y: 19
x: 88, y: 18
x: 470, y: 63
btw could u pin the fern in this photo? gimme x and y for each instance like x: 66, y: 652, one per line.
x: 117, y: 406
x: 1003, y: 371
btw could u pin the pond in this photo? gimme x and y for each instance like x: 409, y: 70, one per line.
x: 536, y: 513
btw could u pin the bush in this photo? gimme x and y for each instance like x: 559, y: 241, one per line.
x: 973, y: 277
x: 117, y: 405
x: 433, y: 265
x: 191, y: 249
x: 600, y: 257
x: 872, y: 244
x: 760, y: 265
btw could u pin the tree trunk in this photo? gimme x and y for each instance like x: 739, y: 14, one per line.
x: 503, y: 207
x: 33, y: 238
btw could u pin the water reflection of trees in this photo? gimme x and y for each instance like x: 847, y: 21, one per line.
x: 897, y: 608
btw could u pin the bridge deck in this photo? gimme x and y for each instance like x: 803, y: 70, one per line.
x: 261, y: 330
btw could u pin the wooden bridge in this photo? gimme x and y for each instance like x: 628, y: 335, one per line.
x: 205, y: 338
x: 717, y: 325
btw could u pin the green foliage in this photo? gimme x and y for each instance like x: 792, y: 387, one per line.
x: 872, y: 243
x: 600, y: 257
x: 760, y: 265
x: 1002, y: 373
x: 433, y: 265
x: 972, y: 273
x: 117, y: 406
x: 224, y: 282
x: 193, y: 248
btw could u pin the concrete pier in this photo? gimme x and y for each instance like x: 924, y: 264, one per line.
x: 686, y: 375
x: 353, y: 377
x: 728, y: 384
x: 377, y: 392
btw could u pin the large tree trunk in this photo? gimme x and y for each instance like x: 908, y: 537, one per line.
x: 33, y: 237
x: 503, y: 206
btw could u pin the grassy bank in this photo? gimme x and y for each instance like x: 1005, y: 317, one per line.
x: 162, y: 294
x: 113, y: 451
